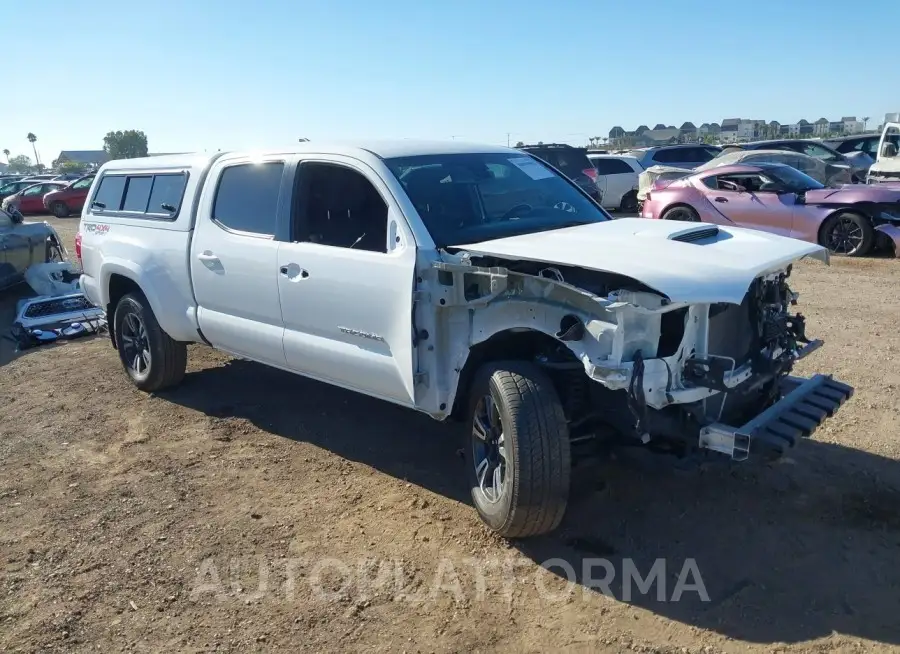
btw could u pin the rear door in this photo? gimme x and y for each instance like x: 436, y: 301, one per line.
x: 621, y: 179
x: 602, y: 169
x: 618, y: 179
x: 346, y: 279
x: 234, y: 257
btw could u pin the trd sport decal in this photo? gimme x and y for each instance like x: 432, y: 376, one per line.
x: 361, y: 334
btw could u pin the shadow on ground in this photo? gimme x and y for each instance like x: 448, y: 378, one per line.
x: 786, y: 553
x: 8, y: 300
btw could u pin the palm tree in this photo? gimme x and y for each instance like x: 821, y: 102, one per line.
x: 866, y: 120
x: 6, y: 152
x: 31, y: 139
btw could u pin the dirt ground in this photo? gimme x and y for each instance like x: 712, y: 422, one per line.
x: 250, y: 510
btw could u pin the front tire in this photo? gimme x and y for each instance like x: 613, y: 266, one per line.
x: 682, y: 212
x: 518, y: 450
x: 152, y: 360
x: 847, y: 234
x: 59, y: 209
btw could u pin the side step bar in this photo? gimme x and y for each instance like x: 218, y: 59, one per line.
x: 804, y: 405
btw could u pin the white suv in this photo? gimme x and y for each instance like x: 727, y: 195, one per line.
x: 617, y: 178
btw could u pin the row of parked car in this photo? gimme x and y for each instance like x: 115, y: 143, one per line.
x: 61, y: 195
x: 836, y: 161
x: 808, y: 189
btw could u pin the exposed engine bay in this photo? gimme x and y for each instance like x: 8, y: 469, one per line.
x: 627, y: 363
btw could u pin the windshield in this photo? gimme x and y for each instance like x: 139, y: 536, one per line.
x: 792, y: 179
x: 464, y: 198
x: 9, y: 188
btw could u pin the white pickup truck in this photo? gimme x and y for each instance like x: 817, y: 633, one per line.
x: 464, y: 281
x: 886, y: 169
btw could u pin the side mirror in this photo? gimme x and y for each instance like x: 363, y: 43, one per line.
x: 888, y: 150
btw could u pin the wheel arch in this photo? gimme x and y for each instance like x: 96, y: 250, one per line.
x: 511, y: 344
x: 119, y: 284
x: 176, y: 317
x: 857, y: 209
x: 675, y: 204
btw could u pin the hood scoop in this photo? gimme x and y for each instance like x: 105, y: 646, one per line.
x: 694, y: 235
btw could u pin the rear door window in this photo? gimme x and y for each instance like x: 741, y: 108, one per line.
x: 247, y: 198
x: 820, y: 152
x: 611, y: 166
x: 572, y: 164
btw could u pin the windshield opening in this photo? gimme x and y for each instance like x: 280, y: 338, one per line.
x: 793, y: 180
x: 465, y: 198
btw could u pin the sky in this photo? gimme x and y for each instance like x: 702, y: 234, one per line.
x: 228, y: 74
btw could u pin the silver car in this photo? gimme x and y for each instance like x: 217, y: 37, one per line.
x: 828, y: 173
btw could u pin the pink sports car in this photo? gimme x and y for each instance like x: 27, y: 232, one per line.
x: 849, y: 220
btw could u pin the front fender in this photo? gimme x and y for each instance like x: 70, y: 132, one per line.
x: 515, y: 317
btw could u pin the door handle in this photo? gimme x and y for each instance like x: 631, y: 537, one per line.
x: 207, y: 256
x: 721, y: 199
x: 293, y: 272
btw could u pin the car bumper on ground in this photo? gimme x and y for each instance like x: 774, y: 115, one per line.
x: 804, y: 406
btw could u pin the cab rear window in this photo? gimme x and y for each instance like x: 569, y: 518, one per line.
x: 156, y: 196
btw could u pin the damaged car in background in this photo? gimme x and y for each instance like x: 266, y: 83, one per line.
x: 472, y: 283
x: 33, y: 253
x: 24, y: 244
x: 850, y: 220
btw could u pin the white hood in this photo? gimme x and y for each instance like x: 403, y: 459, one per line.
x: 715, y: 269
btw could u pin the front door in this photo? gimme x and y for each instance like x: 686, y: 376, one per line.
x: 32, y: 199
x: 234, y: 258
x: 346, y: 279
x: 738, y: 198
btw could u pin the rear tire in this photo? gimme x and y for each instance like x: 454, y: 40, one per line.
x: 682, y: 212
x: 517, y: 426
x: 151, y: 358
x: 847, y: 234
x: 629, y: 203
x: 59, y: 209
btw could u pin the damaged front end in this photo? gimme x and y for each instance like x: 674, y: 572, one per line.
x: 631, y: 365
